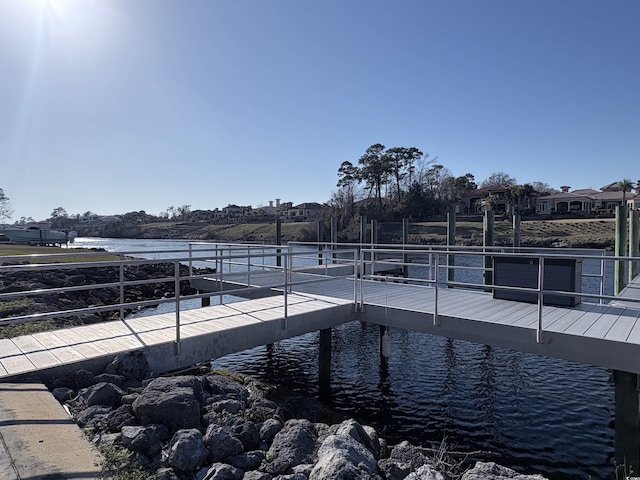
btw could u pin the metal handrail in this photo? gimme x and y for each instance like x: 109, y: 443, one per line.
x: 434, y: 280
x: 220, y: 257
x: 248, y: 258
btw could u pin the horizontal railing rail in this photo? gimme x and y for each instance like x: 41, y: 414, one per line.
x: 244, y: 259
x: 434, y: 267
x: 437, y: 262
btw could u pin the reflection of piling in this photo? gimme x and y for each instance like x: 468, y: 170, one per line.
x: 487, y: 241
x: 627, y: 421
x: 324, y: 359
x: 385, y: 343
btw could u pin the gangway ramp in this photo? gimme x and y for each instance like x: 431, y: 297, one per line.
x: 205, y: 333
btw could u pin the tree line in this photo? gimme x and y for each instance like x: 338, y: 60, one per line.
x: 403, y: 182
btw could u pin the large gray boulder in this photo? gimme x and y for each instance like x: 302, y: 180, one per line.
x: 293, y: 445
x: 170, y: 401
x: 354, y: 429
x: 221, y: 443
x: 342, y: 457
x: 131, y: 365
x: 256, y: 475
x: 493, y: 471
x: 147, y: 440
x: 219, y: 471
x: 120, y: 417
x: 426, y: 472
x: 186, y: 451
x: 243, y: 430
x: 227, y: 387
x: 404, y: 459
x: 269, y: 429
x: 102, y: 393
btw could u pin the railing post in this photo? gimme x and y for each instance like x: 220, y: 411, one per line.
x: 286, y: 292
x: 355, y: 280
x: 602, y: 273
x: 634, y: 239
x: 249, y: 267
x: 362, y: 269
x: 539, y: 335
x: 121, y: 287
x: 278, y: 241
x: 436, y: 319
x: 190, y: 261
x: 176, y: 267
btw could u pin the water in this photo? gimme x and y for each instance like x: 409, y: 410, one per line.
x: 538, y: 414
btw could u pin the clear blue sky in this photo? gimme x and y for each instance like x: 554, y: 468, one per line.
x: 112, y: 106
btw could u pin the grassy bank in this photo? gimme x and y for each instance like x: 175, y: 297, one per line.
x: 53, y: 254
x: 563, y: 233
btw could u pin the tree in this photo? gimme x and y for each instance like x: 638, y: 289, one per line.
x: 625, y: 186
x: 498, y: 178
x: 400, y: 161
x: 59, y: 217
x: 543, y: 188
x: 375, y: 169
x: 183, y: 211
x: 5, y: 206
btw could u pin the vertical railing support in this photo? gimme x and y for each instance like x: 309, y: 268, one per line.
x: 176, y: 268
x: 355, y: 280
x: 362, y: 269
x: 121, y: 287
x: 634, y: 239
x: 278, y: 241
x: 436, y: 319
x: 539, y: 332
x: 285, y: 323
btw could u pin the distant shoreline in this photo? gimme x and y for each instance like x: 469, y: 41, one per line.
x: 567, y: 233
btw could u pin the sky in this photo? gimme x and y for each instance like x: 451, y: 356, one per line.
x: 114, y: 106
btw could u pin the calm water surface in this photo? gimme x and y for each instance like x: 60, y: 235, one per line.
x: 535, y: 414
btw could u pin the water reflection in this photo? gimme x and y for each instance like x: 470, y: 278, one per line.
x: 536, y: 413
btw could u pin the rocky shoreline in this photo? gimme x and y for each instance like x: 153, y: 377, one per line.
x: 221, y: 426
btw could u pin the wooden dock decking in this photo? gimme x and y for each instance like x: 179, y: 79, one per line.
x: 602, y: 335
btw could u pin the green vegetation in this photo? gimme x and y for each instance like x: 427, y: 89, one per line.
x: 568, y: 232
x: 237, y: 232
x: 57, y: 255
x: 118, y: 464
x: 28, y: 328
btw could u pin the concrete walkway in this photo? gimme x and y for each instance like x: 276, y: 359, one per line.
x: 38, y: 439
